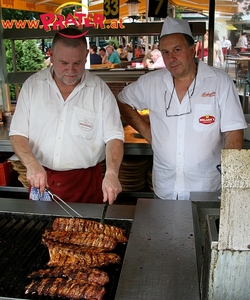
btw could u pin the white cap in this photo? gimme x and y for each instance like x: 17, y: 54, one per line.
x: 172, y: 25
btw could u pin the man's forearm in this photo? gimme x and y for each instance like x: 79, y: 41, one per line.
x: 22, y: 149
x: 114, y: 156
x: 234, y: 139
x: 133, y: 118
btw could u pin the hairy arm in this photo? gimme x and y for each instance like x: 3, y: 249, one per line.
x: 133, y: 118
x: 234, y: 139
x: 111, y: 186
x: 36, y: 175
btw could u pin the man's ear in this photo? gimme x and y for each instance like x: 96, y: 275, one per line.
x: 51, y: 54
x: 193, y: 50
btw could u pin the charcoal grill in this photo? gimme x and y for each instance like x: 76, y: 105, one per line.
x: 159, y: 260
x: 22, y: 253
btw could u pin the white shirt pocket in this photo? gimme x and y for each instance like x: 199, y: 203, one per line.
x: 205, y: 117
x: 84, y: 123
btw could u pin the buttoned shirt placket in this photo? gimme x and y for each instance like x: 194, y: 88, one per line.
x: 59, y: 136
x: 180, y: 148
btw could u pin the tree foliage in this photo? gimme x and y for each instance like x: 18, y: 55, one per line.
x: 246, y: 11
x: 28, y: 57
x: 32, y: 59
x: 13, y: 14
x: 246, y: 6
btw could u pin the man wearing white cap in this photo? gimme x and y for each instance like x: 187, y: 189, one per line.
x: 194, y: 112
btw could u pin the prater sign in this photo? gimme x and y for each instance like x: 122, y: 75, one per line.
x: 56, y: 21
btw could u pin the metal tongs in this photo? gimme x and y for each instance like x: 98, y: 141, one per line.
x: 60, y: 202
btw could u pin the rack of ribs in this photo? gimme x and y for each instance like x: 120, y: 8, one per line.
x: 81, y: 238
x: 60, y: 287
x: 70, y: 272
x: 84, y: 225
x: 64, y: 254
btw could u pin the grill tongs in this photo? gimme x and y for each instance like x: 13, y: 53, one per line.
x: 62, y: 204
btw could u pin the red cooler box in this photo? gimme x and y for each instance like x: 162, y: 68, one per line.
x: 7, y: 174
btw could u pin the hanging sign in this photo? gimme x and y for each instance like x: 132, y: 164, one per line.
x: 56, y: 21
x: 158, y: 8
x: 111, y: 9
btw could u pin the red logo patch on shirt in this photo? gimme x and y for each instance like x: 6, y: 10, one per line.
x: 206, y: 120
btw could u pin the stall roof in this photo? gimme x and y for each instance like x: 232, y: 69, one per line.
x: 223, y: 6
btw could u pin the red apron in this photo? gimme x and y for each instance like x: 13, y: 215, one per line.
x: 81, y: 185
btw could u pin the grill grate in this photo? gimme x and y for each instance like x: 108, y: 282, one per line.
x: 21, y: 253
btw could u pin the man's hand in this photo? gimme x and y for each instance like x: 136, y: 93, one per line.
x: 36, y: 176
x: 111, y: 187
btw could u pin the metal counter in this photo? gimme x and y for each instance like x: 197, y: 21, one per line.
x: 160, y: 260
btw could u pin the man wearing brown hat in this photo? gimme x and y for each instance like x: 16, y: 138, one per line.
x: 194, y: 113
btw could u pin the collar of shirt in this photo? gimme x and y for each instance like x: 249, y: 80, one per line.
x: 203, y: 71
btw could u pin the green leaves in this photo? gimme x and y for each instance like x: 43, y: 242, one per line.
x: 28, y: 57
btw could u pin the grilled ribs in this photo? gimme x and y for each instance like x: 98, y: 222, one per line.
x: 83, y: 225
x: 60, y: 287
x: 63, y: 254
x: 70, y: 272
x: 81, y: 238
x: 72, y: 249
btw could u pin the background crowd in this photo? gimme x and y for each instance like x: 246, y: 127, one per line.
x: 152, y: 58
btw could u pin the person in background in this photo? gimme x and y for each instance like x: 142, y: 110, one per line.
x: 65, y: 123
x: 226, y: 46
x: 127, y: 46
x: 243, y: 43
x: 127, y: 55
x: 205, y: 49
x: 139, y: 52
x: 148, y: 54
x: 218, y: 54
x: 94, y: 57
x: 113, y: 57
x: 194, y: 112
x: 141, y: 41
x: 120, y: 49
x: 103, y: 55
x: 114, y: 48
x: 156, y: 61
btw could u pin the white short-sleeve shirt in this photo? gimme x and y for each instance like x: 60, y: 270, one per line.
x: 67, y: 134
x: 187, y: 148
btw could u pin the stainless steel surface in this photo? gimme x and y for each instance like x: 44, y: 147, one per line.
x: 65, y: 206
x: 104, y: 211
x: 160, y: 260
x: 203, y: 204
x: 205, y: 196
x: 87, y: 210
